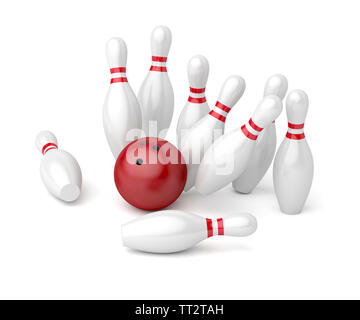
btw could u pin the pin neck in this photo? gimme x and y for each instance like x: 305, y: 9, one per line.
x: 158, y: 64
x: 197, y: 95
x: 215, y: 227
x: 118, y: 75
x: 251, y: 130
x: 196, y: 90
x: 47, y: 147
x: 220, y: 111
x: 295, y: 131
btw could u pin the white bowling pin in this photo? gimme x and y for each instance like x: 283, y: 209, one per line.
x: 196, y: 107
x: 228, y: 157
x: 121, y: 112
x: 265, y: 147
x: 156, y: 95
x: 171, y: 231
x: 59, y: 170
x: 204, y: 132
x: 294, y: 164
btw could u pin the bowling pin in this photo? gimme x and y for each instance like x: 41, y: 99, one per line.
x: 204, y: 132
x: 228, y: 157
x: 59, y: 170
x: 156, y: 95
x: 121, y: 112
x: 293, y: 164
x: 174, y: 230
x: 196, y: 107
x: 265, y: 147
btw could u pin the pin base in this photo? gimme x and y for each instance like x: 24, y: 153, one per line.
x: 70, y: 193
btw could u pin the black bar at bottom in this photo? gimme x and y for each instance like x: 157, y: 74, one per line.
x: 171, y: 309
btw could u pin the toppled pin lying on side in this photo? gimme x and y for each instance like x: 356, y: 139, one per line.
x: 171, y: 231
x: 59, y: 170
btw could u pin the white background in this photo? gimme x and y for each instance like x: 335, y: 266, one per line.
x: 54, y: 75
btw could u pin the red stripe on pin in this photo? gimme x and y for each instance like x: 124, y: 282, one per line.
x: 197, y: 100
x: 157, y: 68
x: 295, y: 126
x: 209, y: 227
x: 115, y: 80
x: 118, y: 70
x: 159, y: 59
x: 254, y: 126
x: 248, y: 134
x: 220, y: 223
x: 46, y: 147
x: 217, y: 116
x: 194, y: 90
x: 222, y: 107
x: 293, y: 136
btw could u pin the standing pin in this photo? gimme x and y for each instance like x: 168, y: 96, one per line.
x: 156, y: 95
x: 196, y: 107
x: 294, y: 164
x: 121, y: 112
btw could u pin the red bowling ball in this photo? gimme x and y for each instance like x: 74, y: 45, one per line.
x: 150, y: 173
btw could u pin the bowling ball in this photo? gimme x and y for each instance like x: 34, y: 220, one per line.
x: 150, y: 173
